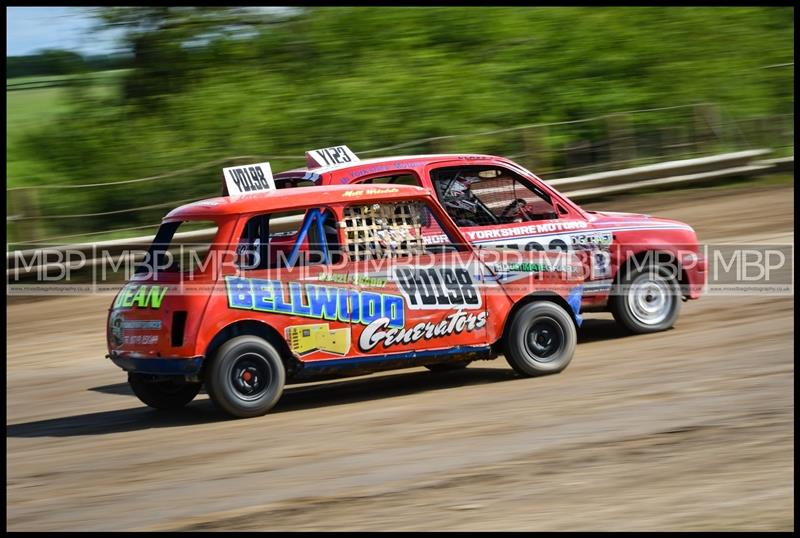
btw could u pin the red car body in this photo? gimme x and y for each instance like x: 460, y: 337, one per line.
x: 616, y: 238
x: 351, y: 310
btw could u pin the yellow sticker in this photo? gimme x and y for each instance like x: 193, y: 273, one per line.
x: 304, y: 339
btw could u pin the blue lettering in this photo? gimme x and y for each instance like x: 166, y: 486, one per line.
x: 314, y: 301
x: 262, y: 296
x: 295, y: 291
x: 280, y: 305
x: 370, y: 307
x: 344, y: 311
x: 351, y: 305
x: 240, y: 293
x: 322, y: 301
x: 393, y: 309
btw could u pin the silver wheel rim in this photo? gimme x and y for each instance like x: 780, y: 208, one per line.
x: 650, y: 299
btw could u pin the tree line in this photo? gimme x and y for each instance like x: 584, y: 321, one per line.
x: 54, y: 62
x: 207, y: 83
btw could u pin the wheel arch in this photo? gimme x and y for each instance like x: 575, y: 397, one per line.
x: 661, y: 252
x: 253, y: 328
x: 530, y: 298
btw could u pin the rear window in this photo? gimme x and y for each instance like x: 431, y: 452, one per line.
x: 180, y: 247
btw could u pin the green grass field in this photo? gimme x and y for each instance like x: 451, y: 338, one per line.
x: 27, y: 110
x: 30, y: 109
x: 35, y: 108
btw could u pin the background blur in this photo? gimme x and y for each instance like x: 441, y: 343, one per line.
x: 117, y: 115
x: 177, y: 93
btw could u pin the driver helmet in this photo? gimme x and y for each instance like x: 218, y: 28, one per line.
x: 459, y: 196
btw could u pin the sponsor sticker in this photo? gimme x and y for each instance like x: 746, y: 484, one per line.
x: 379, y: 332
x: 305, y: 339
x: 142, y: 324
x: 140, y: 339
x: 145, y: 296
x: 350, y: 194
x: 358, y: 280
x: 314, y: 301
x: 533, y: 267
x: 588, y: 240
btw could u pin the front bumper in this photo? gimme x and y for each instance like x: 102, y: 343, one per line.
x: 696, y: 274
x: 185, y: 366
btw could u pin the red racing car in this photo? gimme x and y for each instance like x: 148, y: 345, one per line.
x: 293, y: 286
x: 639, y: 267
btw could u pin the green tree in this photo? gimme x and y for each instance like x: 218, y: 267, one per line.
x: 210, y: 83
x: 163, y: 42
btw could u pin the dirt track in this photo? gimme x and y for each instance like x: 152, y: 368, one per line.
x: 691, y: 429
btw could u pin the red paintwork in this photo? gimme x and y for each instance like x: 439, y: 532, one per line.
x: 633, y: 234
x: 209, y: 310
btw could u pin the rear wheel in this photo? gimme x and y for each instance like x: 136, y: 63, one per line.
x: 246, y: 377
x: 541, y: 339
x: 164, y: 394
x: 447, y: 366
x: 647, y: 299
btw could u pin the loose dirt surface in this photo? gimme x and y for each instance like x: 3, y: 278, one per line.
x: 690, y: 429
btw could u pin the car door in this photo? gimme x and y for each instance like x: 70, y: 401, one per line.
x: 415, y: 299
x: 292, y: 275
x: 499, y: 209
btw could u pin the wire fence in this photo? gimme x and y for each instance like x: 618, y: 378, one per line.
x: 412, y: 143
x: 552, y: 150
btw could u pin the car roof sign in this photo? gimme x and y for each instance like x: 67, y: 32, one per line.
x: 248, y: 179
x: 330, y: 156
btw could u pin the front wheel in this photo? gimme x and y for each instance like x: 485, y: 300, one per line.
x: 647, y: 299
x: 246, y: 377
x: 541, y: 339
x: 164, y: 394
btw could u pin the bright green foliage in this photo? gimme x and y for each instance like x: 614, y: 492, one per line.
x: 213, y: 83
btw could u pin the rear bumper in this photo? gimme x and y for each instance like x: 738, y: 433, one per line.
x: 158, y: 365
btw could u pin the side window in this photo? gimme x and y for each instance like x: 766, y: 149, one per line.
x: 293, y: 183
x: 393, y: 230
x: 480, y: 196
x: 397, y: 179
x: 272, y: 240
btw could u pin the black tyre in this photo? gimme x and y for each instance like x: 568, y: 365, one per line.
x: 447, y: 366
x: 164, y: 394
x: 246, y: 377
x: 541, y: 339
x: 646, y: 299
